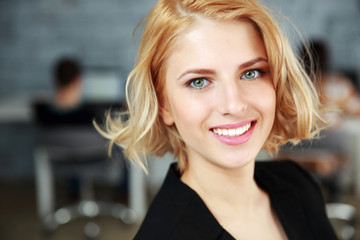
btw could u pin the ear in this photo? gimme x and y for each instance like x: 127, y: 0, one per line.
x: 165, y: 112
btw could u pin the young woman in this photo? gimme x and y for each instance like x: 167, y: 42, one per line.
x: 214, y: 83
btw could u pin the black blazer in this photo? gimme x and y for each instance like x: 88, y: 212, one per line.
x: 177, y: 212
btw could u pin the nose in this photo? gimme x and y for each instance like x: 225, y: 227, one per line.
x: 231, y: 100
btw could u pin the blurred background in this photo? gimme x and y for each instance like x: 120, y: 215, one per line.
x: 36, y: 34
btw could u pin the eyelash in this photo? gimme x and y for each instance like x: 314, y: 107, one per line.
x: 190, y: 83
x: 260, y: 72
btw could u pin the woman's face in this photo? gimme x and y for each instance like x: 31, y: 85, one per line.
x: 219, y: 93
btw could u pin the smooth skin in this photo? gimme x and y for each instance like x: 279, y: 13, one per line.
x: 218, y: 77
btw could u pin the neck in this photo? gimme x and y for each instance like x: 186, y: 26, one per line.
x: 227, y: 189
x: 68, y: 98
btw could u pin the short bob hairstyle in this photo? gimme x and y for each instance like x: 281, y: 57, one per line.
x: 141, y: 130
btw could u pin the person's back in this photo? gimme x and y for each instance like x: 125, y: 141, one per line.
x: 65, y: 107
x: 47, y: 114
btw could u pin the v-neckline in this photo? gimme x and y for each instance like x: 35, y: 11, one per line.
x: 283, y: 200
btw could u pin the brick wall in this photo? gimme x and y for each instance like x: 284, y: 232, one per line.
x: 336, y: 22
x: 35, y: 33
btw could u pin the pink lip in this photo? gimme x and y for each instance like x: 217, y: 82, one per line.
x: 236, y: 125
x: 235, y: 140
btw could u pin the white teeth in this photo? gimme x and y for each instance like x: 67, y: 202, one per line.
x: 225, y: 132
x: 232, y: 132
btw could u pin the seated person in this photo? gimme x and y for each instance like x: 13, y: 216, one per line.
x: 66, y: 106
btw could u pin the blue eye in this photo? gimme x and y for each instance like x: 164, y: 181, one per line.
x: 198, y: 83
x: 251, y: 74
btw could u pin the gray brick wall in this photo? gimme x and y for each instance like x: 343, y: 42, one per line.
x: 35, y: 33
x: 336, y: 22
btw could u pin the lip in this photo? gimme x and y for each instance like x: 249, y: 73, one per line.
x: 238, y: 139
x: 236, y: 125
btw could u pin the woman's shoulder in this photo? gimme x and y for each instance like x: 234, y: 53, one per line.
x: 296, y: 197
x: 165, y: 209
x: 177, y: 212
x: 278, y: 175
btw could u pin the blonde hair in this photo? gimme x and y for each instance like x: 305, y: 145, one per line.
x: 298, y: 110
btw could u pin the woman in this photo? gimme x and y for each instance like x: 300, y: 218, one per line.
x: 216, y: 81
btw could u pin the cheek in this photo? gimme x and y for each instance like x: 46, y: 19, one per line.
x: 188, y: 111
x: 264, y: 100
x: 268, y: 106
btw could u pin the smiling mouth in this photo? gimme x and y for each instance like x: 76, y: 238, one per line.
x: 233, y: 132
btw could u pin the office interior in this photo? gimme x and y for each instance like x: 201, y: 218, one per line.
x: 35, y: 34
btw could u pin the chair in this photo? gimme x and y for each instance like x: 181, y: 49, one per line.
x: 67, y: 148
x: 327, y: 159
x: 342, y: 216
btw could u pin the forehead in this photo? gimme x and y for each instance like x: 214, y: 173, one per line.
x: 211, y: 43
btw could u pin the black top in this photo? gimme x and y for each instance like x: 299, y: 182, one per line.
x: 178, y: 212
x: 47, y: 115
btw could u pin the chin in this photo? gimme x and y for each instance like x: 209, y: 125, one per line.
x: 237, y: 161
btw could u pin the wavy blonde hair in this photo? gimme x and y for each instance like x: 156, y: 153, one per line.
x: 141, y: 131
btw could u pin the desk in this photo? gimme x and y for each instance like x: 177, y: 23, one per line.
x: 18, y: 109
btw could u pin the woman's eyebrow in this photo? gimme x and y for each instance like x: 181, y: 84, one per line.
x: 201, y: 71
x: 198, y: 71
x: 252, y: 62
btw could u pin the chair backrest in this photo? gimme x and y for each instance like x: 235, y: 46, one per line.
x: 69, y: 136
x: 68, y: 144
